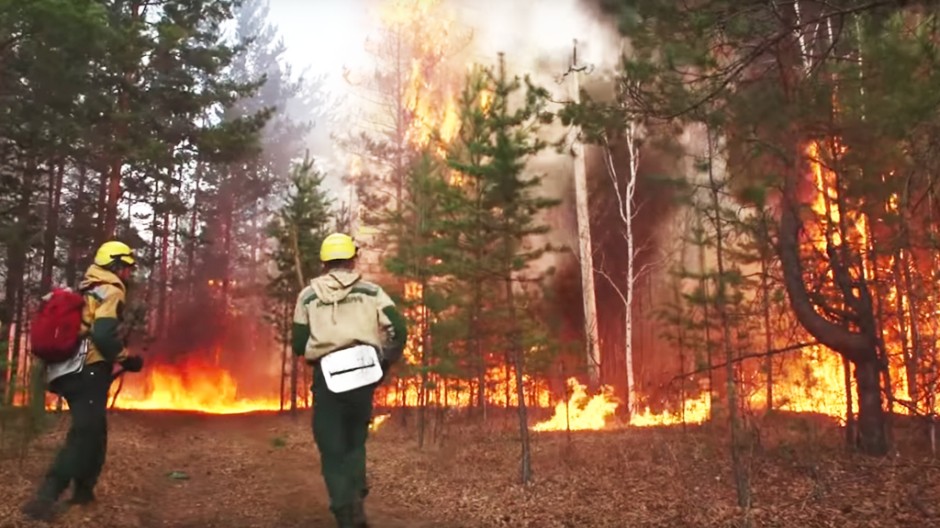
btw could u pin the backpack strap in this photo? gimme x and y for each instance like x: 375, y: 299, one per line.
x: 89, y: 291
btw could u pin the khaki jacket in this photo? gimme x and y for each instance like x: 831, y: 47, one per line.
x: 340, y: 309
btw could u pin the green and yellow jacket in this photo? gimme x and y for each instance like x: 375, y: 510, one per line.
x: 103, y: 314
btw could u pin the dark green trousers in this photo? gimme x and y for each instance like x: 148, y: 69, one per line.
x: 81, y: 458
x: 340, y: 430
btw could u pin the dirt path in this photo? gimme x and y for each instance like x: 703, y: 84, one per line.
x: 189, y: 471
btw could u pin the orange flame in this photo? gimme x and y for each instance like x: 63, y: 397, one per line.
x: 377, y: 421
x: 580, y: 412
x: 191, y: 386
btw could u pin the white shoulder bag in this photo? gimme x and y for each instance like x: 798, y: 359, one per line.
x: 351, y: 368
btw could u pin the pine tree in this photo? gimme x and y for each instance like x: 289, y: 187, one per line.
x: 496, y: 140
x: 299, y: 228
x: 416, y: 232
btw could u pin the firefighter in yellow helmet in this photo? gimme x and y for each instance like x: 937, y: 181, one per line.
x: 85, y: 380
x: 350, y: 331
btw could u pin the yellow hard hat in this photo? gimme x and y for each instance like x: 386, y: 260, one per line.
x: 114, y: 251
x: 337, y: 247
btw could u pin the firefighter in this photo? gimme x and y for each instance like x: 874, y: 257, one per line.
x: 339, y: 315
x: 84, y: 382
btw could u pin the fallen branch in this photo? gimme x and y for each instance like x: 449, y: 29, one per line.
x: 752, y: 355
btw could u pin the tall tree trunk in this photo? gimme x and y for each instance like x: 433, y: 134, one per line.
x: 768, y: 331
x: 52, y: 226
x: 17, y: 248
x: 79, y: 221
x: 741, y: 477
x: 916, y: 341
x: 116, y: 163
x: 851, y: 428
x: 286, y: 351
x: 174, y: 300
x: 901, y: 307
x: 193, y: 233
x: 477, y: 344
x: 626, y: 208
x: 680, y: 332
x: 515, y: 345
x: 164, y: 283
x: 425, y: 340
x: 706, y: 321
x: 585, y: 249
x: 228, y: 216
x: 16, y: 350
x: 153, y: 277
x: 113, y: 195
x: 294, y: 366
x: 100, y: 210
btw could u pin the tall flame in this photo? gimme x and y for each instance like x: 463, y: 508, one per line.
x: 193, y: 385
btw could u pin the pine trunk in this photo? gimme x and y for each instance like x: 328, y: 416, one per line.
x: 113, y: 196
x: 52, y: 227
x: 164, y: 283
x: 17, y: 248
x: 706, y: 323
x: 101, y: 206
x: 78, y: 222
x: 768, y: 331
x: 425, y: 340
x: 519, y: 361
x: 116, y: 164
x: 193, y: 234
x: 738, y: 440
x: 294, y: 365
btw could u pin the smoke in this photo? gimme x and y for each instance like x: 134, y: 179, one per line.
x: 537, y: 40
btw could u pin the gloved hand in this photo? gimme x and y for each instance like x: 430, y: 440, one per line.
x: 385, y: 366
x: 133, y: 363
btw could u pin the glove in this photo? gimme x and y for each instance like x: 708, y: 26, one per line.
x: 385, y: 365
x: 133, y: 363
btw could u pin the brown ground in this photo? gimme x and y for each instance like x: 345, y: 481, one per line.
x: 241, y: 472
x: 263, y: 471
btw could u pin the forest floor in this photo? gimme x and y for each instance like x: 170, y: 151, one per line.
x: 189, y: 470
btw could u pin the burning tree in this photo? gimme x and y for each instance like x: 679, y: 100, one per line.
x: 414, y: 80
x: 806, y: 90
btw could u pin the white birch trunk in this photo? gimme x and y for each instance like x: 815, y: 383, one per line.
x: 627, y: 210
x: 627, y: 207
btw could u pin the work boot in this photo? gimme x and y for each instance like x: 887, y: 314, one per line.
x: 359, y: 514
x: 43, y: 506
x: 82, y: 495
x: 39, y: 509
x: 344, y: 517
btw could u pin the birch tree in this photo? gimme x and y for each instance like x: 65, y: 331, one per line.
x: 607, y: 124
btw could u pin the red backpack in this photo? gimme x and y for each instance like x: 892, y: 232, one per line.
x: 55, y: 331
